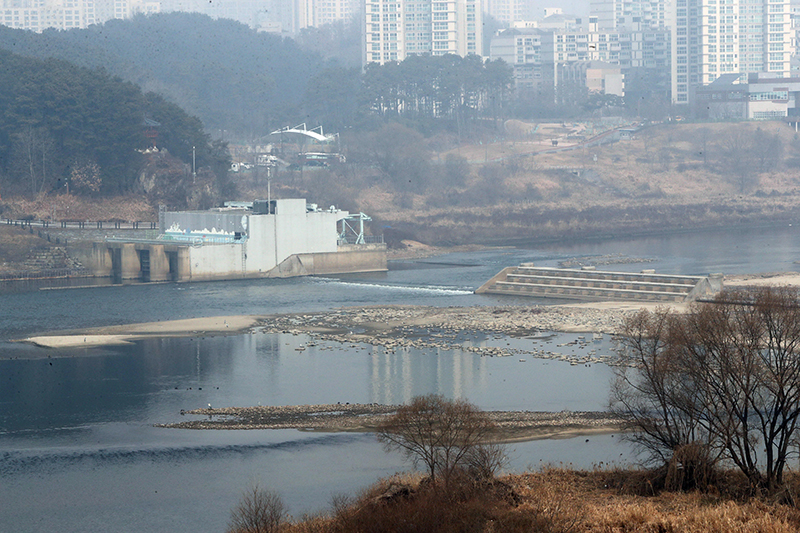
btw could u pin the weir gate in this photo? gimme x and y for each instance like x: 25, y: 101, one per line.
x: 595, y: 285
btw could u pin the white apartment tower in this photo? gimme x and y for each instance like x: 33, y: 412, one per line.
x: 279, y: 16
x: 509, y: 11
x: 395, y: 29
x: 37, y: 15
x: 718, y: 37
x: 631, y: 14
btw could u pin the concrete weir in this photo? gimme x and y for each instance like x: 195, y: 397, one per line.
x: 596, y: 285
x: 280, y: 238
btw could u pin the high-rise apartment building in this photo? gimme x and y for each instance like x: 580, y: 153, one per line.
x: 710, y: 38
x: 395, y: 29
x: 38, y: 15
x: 329, y: 11
x: 280, y: 16
x: 538, y: 56
x: 510, y: 11
x: 627, y: 14
x: 716, y: 37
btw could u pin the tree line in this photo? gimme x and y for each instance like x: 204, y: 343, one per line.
x: 246, y: 83
x: 243, y: 84
x: 66, y: 127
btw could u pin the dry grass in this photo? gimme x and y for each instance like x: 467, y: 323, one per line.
x: 554, y: 501
x: 16, y: 244
x: 71, y: 207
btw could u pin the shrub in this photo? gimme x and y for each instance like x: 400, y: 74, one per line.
x: 258, y: 511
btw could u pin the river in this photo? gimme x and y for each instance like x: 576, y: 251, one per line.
x: 78, y: 450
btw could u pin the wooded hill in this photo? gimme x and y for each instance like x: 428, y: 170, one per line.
x: 245, y: 84
x: 70, y: 128
x: 220, y: 70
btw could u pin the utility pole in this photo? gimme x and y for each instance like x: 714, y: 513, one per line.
x: 194, y: 167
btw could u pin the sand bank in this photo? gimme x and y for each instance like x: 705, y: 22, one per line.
x: 123, y: 334
x: 511, y: 426
x: 791, y: 279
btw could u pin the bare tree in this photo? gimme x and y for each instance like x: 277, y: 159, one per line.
x: 768, y: 150
x: 730, y: 380
x: 446, y: 436
x: 701, y: 138
x: 745, y: 355
x: 258, y: 511
x: 652, y: 393
x: 33, y: 149
x: 738, y: 158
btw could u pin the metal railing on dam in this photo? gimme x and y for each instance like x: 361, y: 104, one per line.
x: 83, y: 224
x: 196, y: 241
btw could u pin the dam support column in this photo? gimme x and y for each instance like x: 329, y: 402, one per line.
x: 159, y: 263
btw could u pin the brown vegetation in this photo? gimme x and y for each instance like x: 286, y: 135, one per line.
x: 72, y: 207
x: 552, y: 501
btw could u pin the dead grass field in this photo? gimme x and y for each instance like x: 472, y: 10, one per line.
x: 549, y: 501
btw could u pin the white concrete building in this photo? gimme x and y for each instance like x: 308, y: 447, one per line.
x: 631, y: 14
x: 396, y: 29
x: 281, y: 238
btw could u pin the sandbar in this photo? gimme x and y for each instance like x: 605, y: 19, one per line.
x: 773, y: 279
x: 510, y: 426
x: 126, y: 333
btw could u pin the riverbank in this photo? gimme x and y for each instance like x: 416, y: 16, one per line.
x: 511, y: 426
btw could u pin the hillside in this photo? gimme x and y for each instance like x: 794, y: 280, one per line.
x: 73, y: 129
x: 668, y: 178
x: 221, y: 71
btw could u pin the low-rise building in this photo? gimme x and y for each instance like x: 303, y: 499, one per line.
x: 762, y: 97
x: 277, y: 238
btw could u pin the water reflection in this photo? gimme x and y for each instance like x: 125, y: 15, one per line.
x: 152, y: 380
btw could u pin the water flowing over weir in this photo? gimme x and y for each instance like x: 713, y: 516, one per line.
x: 78, y: 450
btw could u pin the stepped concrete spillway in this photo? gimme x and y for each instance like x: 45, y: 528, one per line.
x: 596, y: 285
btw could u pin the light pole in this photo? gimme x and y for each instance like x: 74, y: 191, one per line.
x: 194, y: 167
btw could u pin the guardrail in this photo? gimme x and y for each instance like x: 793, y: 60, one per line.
x: 83, y: 224
x: 368, y: 239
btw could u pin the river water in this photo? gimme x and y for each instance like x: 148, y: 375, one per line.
x: 78, y: 450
